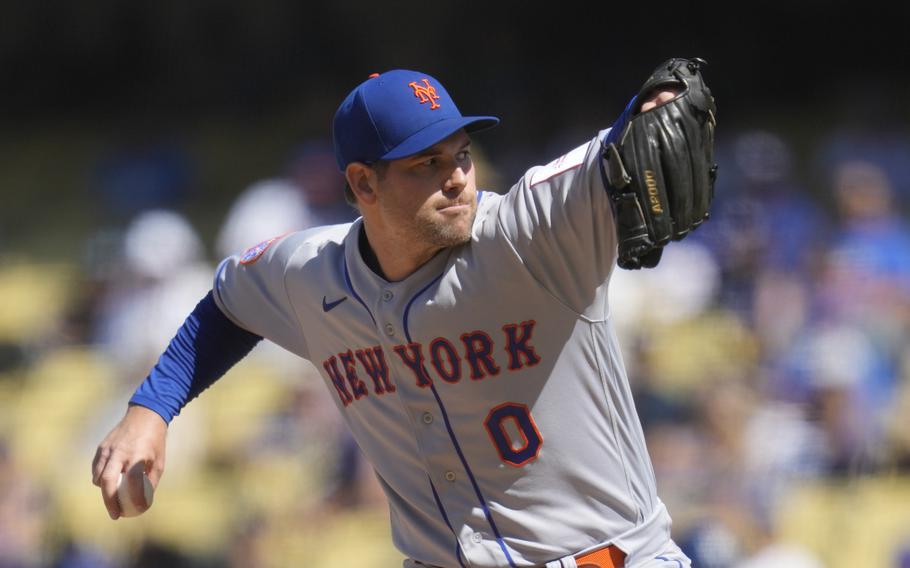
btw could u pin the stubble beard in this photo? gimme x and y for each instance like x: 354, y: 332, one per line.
x: 441, y: 234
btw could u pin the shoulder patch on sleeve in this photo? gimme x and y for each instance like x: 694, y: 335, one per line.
x: 253, y: 253
x: 561, y: 164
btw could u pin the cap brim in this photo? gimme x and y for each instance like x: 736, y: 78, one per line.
x: 437, y: 132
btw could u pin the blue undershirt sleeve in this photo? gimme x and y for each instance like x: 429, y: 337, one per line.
x: 206, y: 346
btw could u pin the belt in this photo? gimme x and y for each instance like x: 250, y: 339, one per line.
x: 606, y: 557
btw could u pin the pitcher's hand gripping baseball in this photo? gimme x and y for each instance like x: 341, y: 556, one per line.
x: 658, y: 164
x: 135, y: 449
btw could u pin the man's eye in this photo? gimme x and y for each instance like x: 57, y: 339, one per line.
x: 428, y: 162
x: 463, y: 155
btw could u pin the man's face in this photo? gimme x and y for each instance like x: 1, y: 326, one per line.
x: 431, y: 197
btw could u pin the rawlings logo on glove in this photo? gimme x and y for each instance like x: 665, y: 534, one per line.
x: 658, y: 165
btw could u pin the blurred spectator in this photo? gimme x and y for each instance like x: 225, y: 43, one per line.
x: 886, y: 148
x: 731, y: 464
x: 856, y: 349
x: 683, y: 286
x: 680, y: 290
x: 143, y: 172
x: 781, y: 306
x: 869, y: 260
x: 24, y: 518
x: 309, y: 194
x: 851, y: 383
x: 162, y: 275
x: 764, y: 219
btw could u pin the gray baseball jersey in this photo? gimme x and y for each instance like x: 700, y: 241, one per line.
x: 487, y: 388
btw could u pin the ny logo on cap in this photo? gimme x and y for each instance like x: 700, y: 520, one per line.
x: 426, y: 93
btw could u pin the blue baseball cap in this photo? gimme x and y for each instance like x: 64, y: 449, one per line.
x: 397, y: 114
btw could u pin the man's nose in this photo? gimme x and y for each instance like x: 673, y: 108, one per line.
x: 457, y: 179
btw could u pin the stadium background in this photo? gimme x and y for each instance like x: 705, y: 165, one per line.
x: 771, y: 373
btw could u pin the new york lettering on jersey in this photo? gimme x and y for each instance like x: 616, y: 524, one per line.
x: 474, y: 358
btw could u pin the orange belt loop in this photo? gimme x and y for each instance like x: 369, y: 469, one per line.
x: 607, y: 557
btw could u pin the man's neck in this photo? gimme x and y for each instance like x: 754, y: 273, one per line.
x: 367, y: 253
x: 388, y: 259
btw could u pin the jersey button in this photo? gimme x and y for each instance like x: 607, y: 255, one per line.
x: 427, y: 418
x: 477, y: 538
x: 387, y: 295
x: 450, y: 476
x: 389, y: 329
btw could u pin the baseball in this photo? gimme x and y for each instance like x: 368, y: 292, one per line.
x: 128, y: 507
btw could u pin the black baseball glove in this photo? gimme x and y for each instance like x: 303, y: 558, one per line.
x: 658, y: 165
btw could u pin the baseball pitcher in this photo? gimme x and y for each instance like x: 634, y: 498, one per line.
x: 464, y: 335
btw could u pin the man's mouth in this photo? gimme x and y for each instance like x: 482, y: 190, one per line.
x: 454, y: 208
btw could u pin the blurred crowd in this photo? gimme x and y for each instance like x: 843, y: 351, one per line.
x: 767, y: 354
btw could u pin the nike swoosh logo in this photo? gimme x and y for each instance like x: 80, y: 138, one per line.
x: 327, y: 306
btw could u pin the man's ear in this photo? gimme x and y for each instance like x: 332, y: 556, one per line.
x: 362, y: 180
